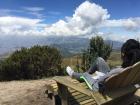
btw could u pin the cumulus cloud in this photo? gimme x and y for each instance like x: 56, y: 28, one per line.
x: 116, y: 37
x: 20, y: 26
x: 87, y: 19
x: 18, y: 21
x: 131, y: 24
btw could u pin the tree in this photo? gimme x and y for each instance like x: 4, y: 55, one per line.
x: 97, y: 48
x: 31, y: 63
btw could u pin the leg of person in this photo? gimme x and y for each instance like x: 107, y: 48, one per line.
x: 93, y: 68
x: 98, y: 65
x: 102, y: 65
x: 77, y: 76
x: 73, y: 74
x: 92, y: 83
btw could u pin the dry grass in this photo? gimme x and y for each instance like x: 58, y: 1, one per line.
x: 72, y: 61
x: 24, y: 93
x: 33, y: 92
x: 113, y: 61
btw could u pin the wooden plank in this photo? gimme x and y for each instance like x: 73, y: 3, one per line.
x: 129, y: 76
x: 75, y: 93
x: 67, y: 83
x: 122, y: 77
x: 52, y: 89
x: 72, y: 90
x: 99, y: 98
x: 115, y: 81
x: 86, y: 101
x: 137, y: 76
x: 126, y: 100
x: 75, y: 98
x: 109, y: 82
x: 118, y: 94
x: 90, y: 103
x: 78, y: 96
x: 83, y: 101
x: 128, y: 79
x: 63, y: 92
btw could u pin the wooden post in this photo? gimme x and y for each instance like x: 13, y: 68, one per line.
x: 63, y: 93
x: 56, y: 100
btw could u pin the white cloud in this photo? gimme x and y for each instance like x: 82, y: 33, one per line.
x: 131, y: 24
x: 33, y: 9
x: 10, y: 21
x: 20, y: 26
x: 86, y: 20
x: 6, y: 12
x: 116, y: 37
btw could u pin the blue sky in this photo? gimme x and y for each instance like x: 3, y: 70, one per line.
x: 117, y: 8
x: 109, y: 18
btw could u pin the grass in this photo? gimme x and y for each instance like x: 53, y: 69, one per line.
x: 33, y: 92
x: 72, y: 61
x: 113, y: 61
x: 30, y: 92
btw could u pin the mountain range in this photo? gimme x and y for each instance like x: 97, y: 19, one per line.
x: 67, y: 45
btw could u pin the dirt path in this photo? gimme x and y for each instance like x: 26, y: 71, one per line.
x: 24, y: 93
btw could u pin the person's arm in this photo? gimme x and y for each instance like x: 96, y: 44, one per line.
x: 112, y: 72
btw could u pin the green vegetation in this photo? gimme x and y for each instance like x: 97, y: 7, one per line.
x: 113, y: 61
x: 97, y: 48
x: 45, y: 61
x: 32, y: 63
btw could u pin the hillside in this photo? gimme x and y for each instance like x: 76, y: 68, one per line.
x: 32, y: 92
x: 24, y: 93
x: 113, y: 61
x: 68, y: 45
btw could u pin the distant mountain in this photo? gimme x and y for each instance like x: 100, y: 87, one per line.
x: 73, y: 45
x: 116, y: 44
x: 12, y: 43
x: 67, y: 45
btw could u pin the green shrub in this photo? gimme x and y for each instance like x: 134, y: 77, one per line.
x: 97, y: 48
x: 32, y: 63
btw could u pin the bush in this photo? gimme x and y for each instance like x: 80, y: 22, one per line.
x: 97, y: 48
x: 32, y: 63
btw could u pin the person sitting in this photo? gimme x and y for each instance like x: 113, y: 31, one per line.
x: 130, y: 54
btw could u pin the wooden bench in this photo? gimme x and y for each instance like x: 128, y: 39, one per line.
x: 121, y: 89
x: 74, y: 97
x: 77, y: 98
